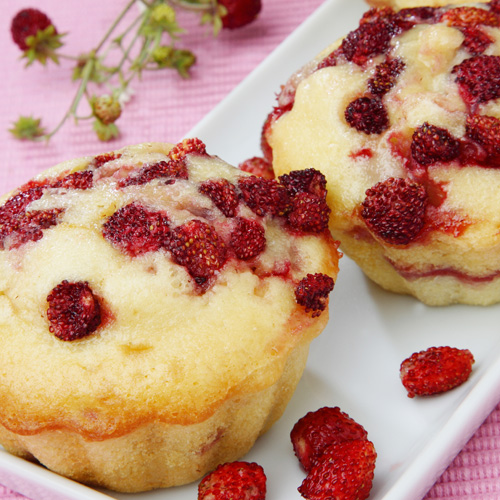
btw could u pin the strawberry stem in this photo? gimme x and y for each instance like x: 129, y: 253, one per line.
x: 140, y: 47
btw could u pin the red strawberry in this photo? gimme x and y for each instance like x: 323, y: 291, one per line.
x: 376, y: 14
x: 485, y: 130
x: 431, y: 144
x: 309, y: 213
x: 495, y: 6
x: 309, y: 180
x: 312, y: 292
x: 18, y: 203
x: 344, y: 472
x: 223, y: 194
x: 136, y: 230
x: 74, y: 311
x: 234, y: 481
x: 435, y: 370
x: 470, y: 16
x: 406, y: 19
x: 77, y: 180
x: 394, y: 209
x: 367, y: 115
x: 197, y: 246
x: 101, y: 160
x: 28, y: 22
x: 187, y: 146
x: 476, y: 41
x: 170, y: 170
x: 385, y: 76
x: 317, y: 430
x: 239, y: 12
x: 264, y: 196
x: 367, y: 41
x: 259, y: 166
x: 276, y: 113
x: 331, y: 59
x: 17, y: 225
x: 247, y: 239
x: 478, y: 79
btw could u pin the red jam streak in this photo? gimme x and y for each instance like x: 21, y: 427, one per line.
x: 409, y: 273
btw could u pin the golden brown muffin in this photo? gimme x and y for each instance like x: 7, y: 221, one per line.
x: 404, y: 4
x: 156, y: 311
x: 403, y: 118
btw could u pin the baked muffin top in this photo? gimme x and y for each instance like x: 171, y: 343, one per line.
x: 153, y: 283
x: 409, y: 94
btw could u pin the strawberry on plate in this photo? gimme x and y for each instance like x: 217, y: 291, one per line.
x: 435, y: 370
x: 234, y: 480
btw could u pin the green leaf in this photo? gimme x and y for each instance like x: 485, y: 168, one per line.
x: 105, y: 132
x: 43, y: 46
x: 27, y: 128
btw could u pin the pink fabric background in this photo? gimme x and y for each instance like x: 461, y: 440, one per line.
x: 165, y: 108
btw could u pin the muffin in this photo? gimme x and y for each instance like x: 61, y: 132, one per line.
x: 157, y: 307
x: 404, y: 4
x: 402, y: 116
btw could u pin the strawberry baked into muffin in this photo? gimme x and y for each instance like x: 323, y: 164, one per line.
x: 403, y: 118
x: 156, y: 311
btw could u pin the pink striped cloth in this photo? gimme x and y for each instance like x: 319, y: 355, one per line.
x: 165, y: 108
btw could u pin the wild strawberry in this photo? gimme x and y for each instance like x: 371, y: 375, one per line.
x: 106, y: 108
x: 309, y: 180
x: 312, y: 292
x: 385, y: 76
x: 197, y: 246
x: 186, y: 147
x: 419, y: 15
x: 344, y: 472
x: 276, y: 113
x: 394, y: 209
x: 431, y: 144
x: 17, y: 225
x: 136, y: 230
x: 27, y: 227
x: 170, y: 170
x: 223, y: 194
x: 405, y: 19
x: 82, y: 179
x: 332, y: 59
x: 317, y: 430
x: 248, y: 238
x: 28, y: 22
x: 485, y: 130
x: 476, y: 41
x: 309, y: 214
x: 264, y: 196
x: 478, y: 79
x: 239, y: 12
x: 495, y: 6
x: 367, y: 115
x: 259, y: 166
x: 234, y: 481
x: 18, y: 203
x: 367, y: 41
x: 462, y: 17
x: 101, y: 160
x: 435, y: 370
x: 376, y: 14
x: 36, y: 36
x: 74, y: 311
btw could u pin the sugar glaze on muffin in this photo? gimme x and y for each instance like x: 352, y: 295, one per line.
x: 402, y: 116
x: 156, y: 311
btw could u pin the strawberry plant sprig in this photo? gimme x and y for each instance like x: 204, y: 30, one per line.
x: 147, y: 42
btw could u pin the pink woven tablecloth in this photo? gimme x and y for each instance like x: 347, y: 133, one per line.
x: 165, y: 108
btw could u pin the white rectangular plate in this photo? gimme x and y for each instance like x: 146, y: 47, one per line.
x: 354, y: 364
